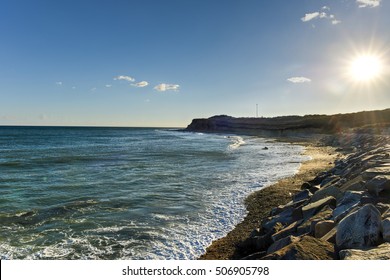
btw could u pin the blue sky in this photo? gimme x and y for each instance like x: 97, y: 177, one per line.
x: 163, y: 63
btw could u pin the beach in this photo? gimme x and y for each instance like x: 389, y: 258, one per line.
x: 260, y: 203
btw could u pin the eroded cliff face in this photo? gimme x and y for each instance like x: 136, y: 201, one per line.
x: 283, y: 126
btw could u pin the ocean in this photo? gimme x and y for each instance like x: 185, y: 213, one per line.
x: 128, y: 193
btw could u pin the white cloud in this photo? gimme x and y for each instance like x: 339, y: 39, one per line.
x: 165, y: 87
x: 321, y: 15
x: 141, y: 84
x: 59, y: 83
x: 368, y: 3
x: 299, y: 80
x: 124, y: 78
x: 93, y: 89
x: 108, y: 86
x: 309, y: 17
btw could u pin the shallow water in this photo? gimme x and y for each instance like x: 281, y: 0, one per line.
x: 127, y: 193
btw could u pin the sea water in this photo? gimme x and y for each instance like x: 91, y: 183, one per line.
x: 128, y: 193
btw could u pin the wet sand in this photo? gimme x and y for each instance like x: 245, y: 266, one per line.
x: 260, y: 203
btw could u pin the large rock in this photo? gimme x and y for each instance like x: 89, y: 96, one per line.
x: 373, y: 172
x: 313, y: 208
x: 355, y: 184
x: 325, y: 192
x: 382, y: 252
x: 308, y: 225
x: 307, y: 248
x: 287, y: 231
x: 302, y: 195
x: 386, y: 229
x: 323, y: 227
x: 378, y: 183
x: 281, y: 243
x: 283, y: 218
x: 360, y: 229
x: 350, y: 200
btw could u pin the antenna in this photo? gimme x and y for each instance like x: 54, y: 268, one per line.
x: 257, y: 110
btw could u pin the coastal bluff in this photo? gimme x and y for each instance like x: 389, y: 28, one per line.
x: 371, y: 121
x: 340, y: 213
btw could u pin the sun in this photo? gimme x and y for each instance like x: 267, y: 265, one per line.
x: 366, y: 68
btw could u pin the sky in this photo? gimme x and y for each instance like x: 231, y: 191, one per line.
x: 162, y: 63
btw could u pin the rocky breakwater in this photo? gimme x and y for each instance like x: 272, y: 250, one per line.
x: 343, y: 213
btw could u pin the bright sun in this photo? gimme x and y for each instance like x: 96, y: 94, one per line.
x: 365, y: 68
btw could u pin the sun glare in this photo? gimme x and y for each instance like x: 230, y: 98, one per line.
x: 365, y: 68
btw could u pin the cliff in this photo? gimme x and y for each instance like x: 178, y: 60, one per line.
x: 370, y: 121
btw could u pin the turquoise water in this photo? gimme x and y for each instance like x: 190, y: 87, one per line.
x: 127, y: 193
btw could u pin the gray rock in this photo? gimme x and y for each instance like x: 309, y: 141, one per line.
x: 382, y: 252
x: 359, y: 229
x: 287, y: 231
x: 355, y: 184
x: 325, y: 192
x: 372, y: 172
x: 386, y: 229
x: 282, y: 243
x: 283, y: 218
x: 315, y: 207
x: 346, y: 204
x: 330, y: 180
x: 309, y: 225
x: 378, y: 183
x: 306, y: 248
x: 314, y: 189
x: 323, y: 227
x: 302, y: 195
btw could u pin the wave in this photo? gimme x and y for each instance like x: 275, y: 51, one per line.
x: 237, y: 141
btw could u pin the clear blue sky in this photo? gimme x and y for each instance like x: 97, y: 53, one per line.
x: 165, y: 62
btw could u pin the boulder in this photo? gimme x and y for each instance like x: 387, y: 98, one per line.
x: 355, y: 184
x: 350, y: 200
x: 386, y: 229
x: 360, y: 229
x: 315, y: 207
x: 382, y: 252
x: 314, y: 189
x: 282, y: 243
x: 305, y: 186
x: 308, y: 225
x: 323, y: 227
x: 306, y: 248
x: 302, y: 195
x: 289, y: 230
x: 283, y: 218
x: 325, y: 192
x: 378, y: 183
x: 373, y: 172
x: 330, y: 236
x: 330, y: 180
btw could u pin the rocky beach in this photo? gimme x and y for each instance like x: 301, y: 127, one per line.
x: 336, y: 207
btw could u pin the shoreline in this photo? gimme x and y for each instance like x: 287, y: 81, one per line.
x: 260, y: 203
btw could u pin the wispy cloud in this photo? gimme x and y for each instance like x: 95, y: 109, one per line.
x: 321, y: 15
x: 166, y: 87
x: 108, y: 86
x: 141, y: 84
x: 59, y: 83
x: 368, y: 3
x: 311, y: 16
x: 124, y: 78
x: 299, y: 80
